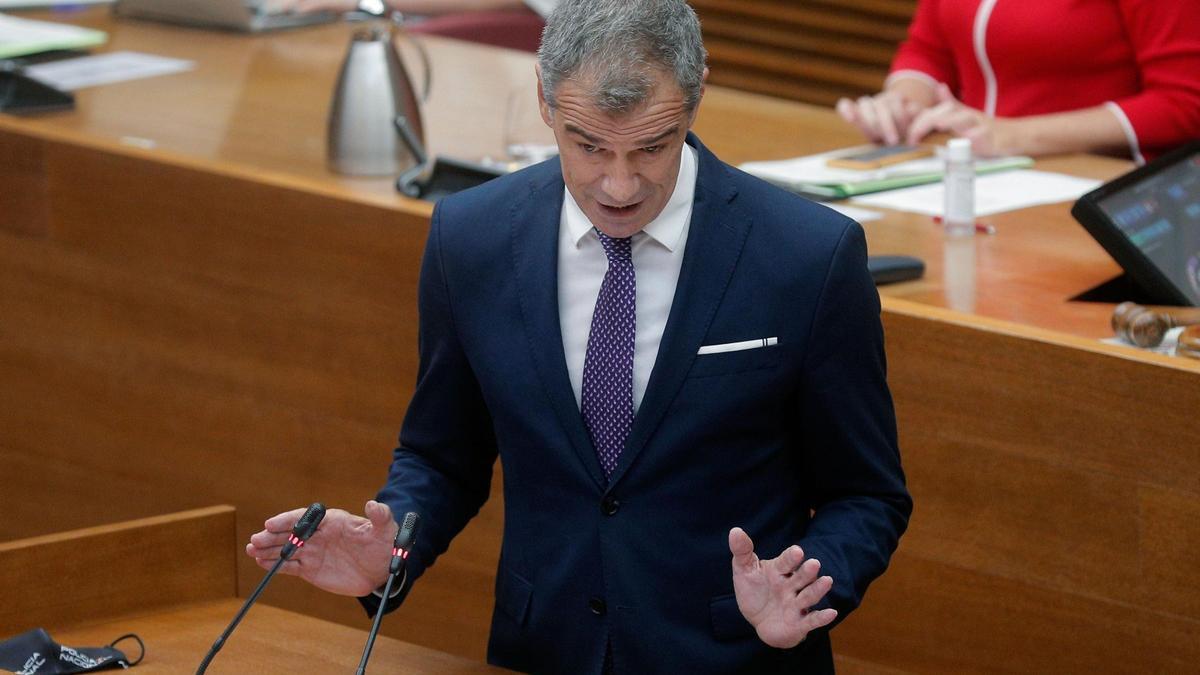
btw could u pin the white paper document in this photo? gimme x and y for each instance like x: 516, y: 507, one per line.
x: 38, y: 4
x: 812, y: 174
x: 89, y: 71
x: 855, y: 213
x: 19, y: 37
x: 994, y: 193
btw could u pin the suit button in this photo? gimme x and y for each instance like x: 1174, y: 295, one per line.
x: 609, y: 506
x: 597, y: 606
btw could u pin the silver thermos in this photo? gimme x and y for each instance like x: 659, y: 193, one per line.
x: 375, y: 120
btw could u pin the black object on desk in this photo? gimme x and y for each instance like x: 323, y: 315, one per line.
x: 20, y: 93
x: 447, y: 176
x: 891, y: 269
x: 1149, y: 222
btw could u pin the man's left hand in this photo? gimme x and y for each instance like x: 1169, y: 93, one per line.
x: 776, y: 596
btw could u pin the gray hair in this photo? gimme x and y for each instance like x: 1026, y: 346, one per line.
x: 615, y: 45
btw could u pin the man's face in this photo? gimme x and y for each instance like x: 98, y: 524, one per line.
x: 621, y: 169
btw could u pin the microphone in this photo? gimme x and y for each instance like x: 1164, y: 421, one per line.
x: 304, y: 528
x: 400, y: 550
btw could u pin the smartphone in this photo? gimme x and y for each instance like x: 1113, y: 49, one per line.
x: 879, y: 156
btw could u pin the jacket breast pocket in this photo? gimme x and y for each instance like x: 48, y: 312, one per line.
x: 724, y: 363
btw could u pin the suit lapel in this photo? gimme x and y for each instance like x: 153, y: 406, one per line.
x: 714, y: 244
x: 535, y: 222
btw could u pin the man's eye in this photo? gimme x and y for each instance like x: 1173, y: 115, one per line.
x: 589, y: 148
x: 651, y: 149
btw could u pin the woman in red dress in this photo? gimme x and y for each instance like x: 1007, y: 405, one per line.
x: 1046, y: 77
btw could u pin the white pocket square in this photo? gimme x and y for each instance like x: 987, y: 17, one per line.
x: 738, y: 346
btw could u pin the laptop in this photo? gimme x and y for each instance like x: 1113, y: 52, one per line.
x: 1149, y: 222
x: 249, y: 16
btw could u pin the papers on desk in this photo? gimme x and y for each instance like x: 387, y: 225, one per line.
x: 1167, y: 346
x: 994, y: 193
x: 89, y: 71
x: 810, y: 175
x: 855, y: 213
x: 43, y: 4
x: 19, y: 37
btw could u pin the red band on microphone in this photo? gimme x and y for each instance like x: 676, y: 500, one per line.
x: 298, y: 542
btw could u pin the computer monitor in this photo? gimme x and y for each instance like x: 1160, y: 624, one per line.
x: 1149, y: 222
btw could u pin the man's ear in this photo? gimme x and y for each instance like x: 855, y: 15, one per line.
x: 543, y: 107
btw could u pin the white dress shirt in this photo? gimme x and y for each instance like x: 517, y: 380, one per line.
x: 657, y: 257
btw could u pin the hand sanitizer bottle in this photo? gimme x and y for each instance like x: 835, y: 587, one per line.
x: 958, y: 214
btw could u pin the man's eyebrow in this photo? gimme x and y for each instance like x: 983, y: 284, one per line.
x: 588, y: 137
x: 661, y: 137
x: 641, y: 143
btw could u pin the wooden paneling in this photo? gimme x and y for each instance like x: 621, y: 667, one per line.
x: 23, y: 208
x: 1053, y: 516
x: 108, y: 570
x: 926, y: 616
x: 170, y: 581
x: 184, y: 338
x: 813, y: 50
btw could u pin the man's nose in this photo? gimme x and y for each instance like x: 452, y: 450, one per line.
x: 621, y: 183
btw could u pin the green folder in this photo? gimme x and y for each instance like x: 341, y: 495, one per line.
x: 843, y: 190
x: 21, y: 37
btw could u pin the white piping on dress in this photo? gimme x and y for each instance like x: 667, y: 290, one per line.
x: 1135, y: 149
x: 982, y: 16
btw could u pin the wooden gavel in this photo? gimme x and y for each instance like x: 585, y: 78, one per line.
x: 1146, y: 326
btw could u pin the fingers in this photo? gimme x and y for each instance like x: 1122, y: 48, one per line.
x: 741, y: 547
x: 861, y: 113
x: 291, y: 567
x: 284, y: 521
x: 318, y: 5
x: 928, y: 120
x: 818, y: 619
x: 868, y: 116
x: 787, y: 562
x: 805, y: 573
x: 812, y: 593
x: 885, y: 115
x: 263, y: 550
x: 378, y: 513
x: 943, y: 93
x: 845, y: 108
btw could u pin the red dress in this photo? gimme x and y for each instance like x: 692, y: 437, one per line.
x: 1029, y: 57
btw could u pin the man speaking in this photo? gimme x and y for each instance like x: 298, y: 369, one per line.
x: 669, y: 357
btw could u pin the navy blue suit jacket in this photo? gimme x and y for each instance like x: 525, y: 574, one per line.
x: 795, y: 442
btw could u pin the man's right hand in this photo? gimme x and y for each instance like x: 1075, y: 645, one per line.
x: 348, y: 555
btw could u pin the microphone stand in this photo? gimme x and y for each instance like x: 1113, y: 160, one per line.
x: 387, y: 593
x: 238, y: 617
x: 304, y: 528
x: 405, y: 537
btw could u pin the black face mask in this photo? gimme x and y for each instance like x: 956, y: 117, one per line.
x: 35, y: 653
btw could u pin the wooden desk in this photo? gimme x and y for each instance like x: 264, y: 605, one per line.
x: 216, y: 318
x: 88, y: 587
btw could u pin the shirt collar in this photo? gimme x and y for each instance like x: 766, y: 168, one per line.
x: 667, y: 229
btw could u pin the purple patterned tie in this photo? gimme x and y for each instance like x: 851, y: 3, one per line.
x: 607, y: 399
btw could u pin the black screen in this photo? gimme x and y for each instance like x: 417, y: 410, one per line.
x: 1161, y: 217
